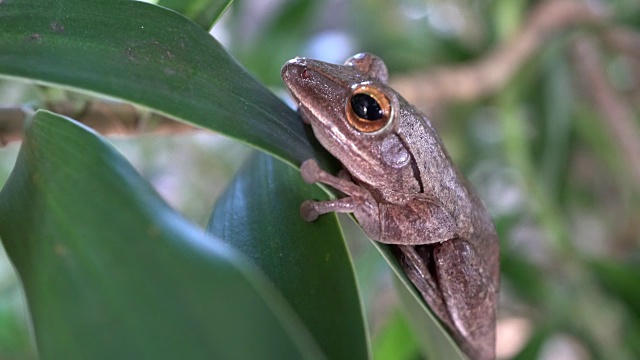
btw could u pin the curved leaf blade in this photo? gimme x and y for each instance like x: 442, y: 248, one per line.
x: 308, y: 262
x: 151, y: 56
x: 111, y: 272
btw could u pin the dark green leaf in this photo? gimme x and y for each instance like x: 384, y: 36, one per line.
x: 111, y: 272
x: 308, y: 262
x: 632, y: 334
x: 558, y: 105
x: 149, y: 56
x: 523, y: 277
x: 621, y: 280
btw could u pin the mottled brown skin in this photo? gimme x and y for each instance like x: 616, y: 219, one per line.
x: 404, y: 191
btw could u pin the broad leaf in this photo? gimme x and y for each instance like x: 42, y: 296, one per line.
x: 151, y: 56
x: 308, y: 262
x: 111, y: 272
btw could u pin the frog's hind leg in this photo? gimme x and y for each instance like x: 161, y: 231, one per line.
x: 470, y: 296
x: 418, y: 264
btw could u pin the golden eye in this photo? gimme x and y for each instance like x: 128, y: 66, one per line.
x: 368, y: 109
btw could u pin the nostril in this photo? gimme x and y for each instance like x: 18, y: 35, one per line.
x: 305, y: 74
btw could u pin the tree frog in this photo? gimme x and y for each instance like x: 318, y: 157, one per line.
x: 403, y: 189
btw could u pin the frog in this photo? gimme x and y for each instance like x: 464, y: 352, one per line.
x: 401, y: 185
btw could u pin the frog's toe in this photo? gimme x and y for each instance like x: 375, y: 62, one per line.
x: 308, y: 210
x: 310, y: 170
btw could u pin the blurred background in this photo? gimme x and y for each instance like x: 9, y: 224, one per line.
x: 538, y: 103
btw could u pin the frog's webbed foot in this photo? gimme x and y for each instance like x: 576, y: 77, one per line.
x: 359, y: 201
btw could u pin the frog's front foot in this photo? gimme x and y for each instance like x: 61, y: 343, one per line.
x: 312, y: 173
x: 308, y: 210
x: 310, y: 170
x: 359, y: 201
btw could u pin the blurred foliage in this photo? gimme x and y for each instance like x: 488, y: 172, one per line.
x: 540, y: 154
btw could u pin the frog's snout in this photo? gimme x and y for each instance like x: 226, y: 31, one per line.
x: 294, y: 69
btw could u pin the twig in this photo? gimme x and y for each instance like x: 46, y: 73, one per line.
x: 624, y: 40
x: 108, y: 118
x: 11, y: 124
x: 491, y: 73
x: 615, y: 112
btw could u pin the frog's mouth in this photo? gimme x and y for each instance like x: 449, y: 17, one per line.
x: 304, y: 113
x: 296, y: 77
x: 293, y: 75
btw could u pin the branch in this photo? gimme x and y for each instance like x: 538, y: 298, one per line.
x: 108, y: 118
x: 617, y: 115
x: 624, y: 40
x: 491, y: 73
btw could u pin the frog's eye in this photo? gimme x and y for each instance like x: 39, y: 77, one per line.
x: 368, y: 109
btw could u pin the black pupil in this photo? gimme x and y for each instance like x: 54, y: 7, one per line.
x: 366, y: 107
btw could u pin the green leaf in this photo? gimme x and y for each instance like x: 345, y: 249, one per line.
x: 523, y: 277
x: 15, y: 342
x: 111, y: 272
x: 275, y: 41
x: 396, y: 340
x: 308, y: 262
x: 150, y: 56
x: 621, y: 280
x: 532, y: 350
x: 203, y: 12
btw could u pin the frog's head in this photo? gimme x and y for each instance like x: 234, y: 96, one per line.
x: 354, y: 115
